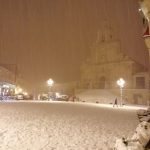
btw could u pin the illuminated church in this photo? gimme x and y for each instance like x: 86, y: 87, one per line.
x: 107, y: 63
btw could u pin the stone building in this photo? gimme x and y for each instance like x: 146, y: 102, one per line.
x: 7, y: 80
x: 107, y: 63
x: 6, y: 75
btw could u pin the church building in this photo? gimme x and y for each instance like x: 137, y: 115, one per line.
x: 107, y: 63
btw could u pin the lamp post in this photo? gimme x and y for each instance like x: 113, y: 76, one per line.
x: 50, y: 83
x: 121, y: 83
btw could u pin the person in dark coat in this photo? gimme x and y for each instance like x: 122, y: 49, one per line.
x: 115, y: 103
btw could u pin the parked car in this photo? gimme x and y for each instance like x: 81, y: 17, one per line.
x: 44, y: 97
x: 63, y: 98
x: 19, y: 97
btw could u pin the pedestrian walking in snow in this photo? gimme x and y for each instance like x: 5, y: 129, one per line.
x: 115, y: 103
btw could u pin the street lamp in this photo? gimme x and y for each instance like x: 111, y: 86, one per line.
x: 18, y: 90
x: 121, y: 83
x: 25, y: 93
x: 50, y: 83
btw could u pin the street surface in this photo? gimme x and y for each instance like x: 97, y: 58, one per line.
x: 63, y: 125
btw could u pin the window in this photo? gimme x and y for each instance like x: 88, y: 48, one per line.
x: 140, y: 82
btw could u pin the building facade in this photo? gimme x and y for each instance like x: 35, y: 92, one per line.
x: 107, y: 63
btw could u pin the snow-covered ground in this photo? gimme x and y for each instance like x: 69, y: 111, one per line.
x: 63, y: 125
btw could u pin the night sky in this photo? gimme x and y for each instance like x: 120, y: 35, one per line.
x: 51, y: 38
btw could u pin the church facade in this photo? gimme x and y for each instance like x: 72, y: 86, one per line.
x: 107, y: 63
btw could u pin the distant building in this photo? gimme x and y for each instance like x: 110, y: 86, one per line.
x: 7, y: 81
x: 107, y: 63
x: 6, y: 75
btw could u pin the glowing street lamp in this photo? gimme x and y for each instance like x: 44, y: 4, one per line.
x: 121, y: 83
x: 25, y: 93
x: 50, y: 83
x: 18, y: 90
